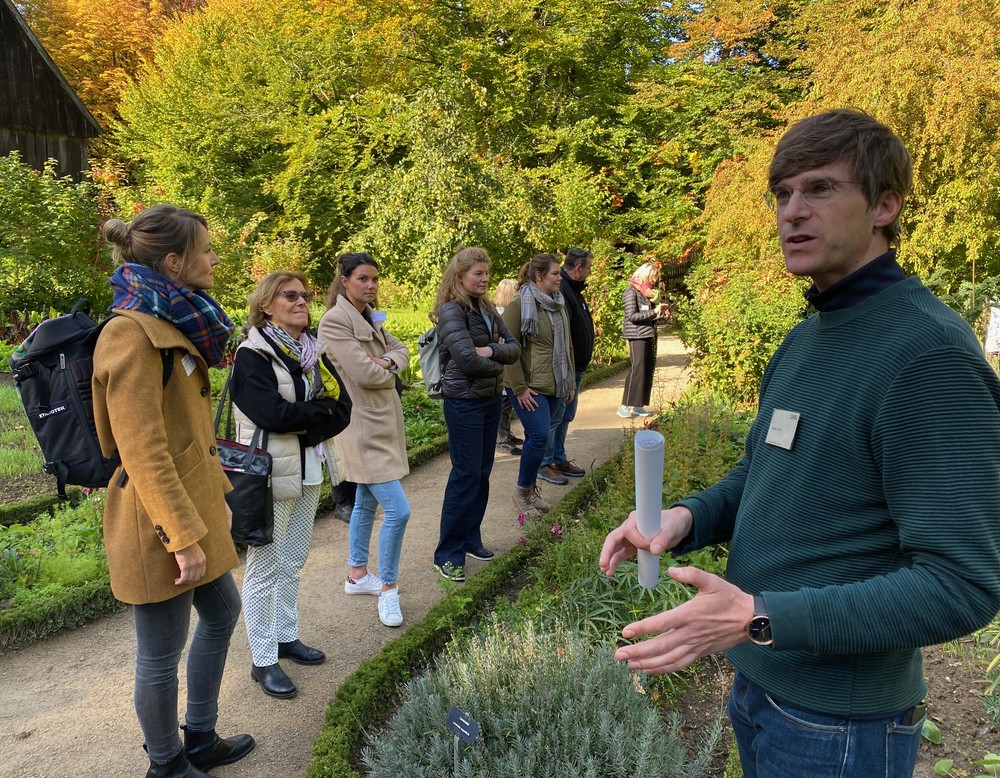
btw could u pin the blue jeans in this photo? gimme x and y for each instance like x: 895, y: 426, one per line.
x: 555, y: 451
x: 472, y: 440
x: 537, y: 425
x: 777, y: 740
x: 161, y: 630
x: 392, y: 498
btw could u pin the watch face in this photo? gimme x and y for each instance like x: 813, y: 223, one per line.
x: 759, y: 630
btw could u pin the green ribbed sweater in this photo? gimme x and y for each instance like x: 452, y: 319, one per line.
x: 879, y: 531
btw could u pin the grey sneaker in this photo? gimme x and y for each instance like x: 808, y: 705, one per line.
x: 551, y: 474
x: 625, y: 412
x: 537, y: 501
x: 389, y: 612
x: 369, y: 584
x: 523, y: 501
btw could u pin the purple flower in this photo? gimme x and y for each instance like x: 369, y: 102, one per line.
x: 557, y: 530
x: 522, y: 541
x: 520, y: 519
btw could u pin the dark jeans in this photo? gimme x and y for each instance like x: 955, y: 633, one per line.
x: 639, y: 381
x: 472, y: 440
x: 537, y: 425
x: 161, y: 630
x: 506, y: 416
x: 776, y: 739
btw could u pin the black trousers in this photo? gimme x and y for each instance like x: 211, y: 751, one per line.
x: 639, y: 381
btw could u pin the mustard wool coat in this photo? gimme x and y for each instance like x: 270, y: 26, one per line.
x: 174, y: 495
x: 373, y: 447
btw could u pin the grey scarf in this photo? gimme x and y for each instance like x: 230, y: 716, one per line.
x: 531, y: 300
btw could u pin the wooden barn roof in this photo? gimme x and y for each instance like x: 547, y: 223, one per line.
x: 34, y: 94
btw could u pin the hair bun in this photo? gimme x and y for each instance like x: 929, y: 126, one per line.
x: 115, y: 231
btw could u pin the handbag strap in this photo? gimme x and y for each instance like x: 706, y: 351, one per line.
x: 225, y: 400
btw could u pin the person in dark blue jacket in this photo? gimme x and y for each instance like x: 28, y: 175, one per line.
x: 474, y: 345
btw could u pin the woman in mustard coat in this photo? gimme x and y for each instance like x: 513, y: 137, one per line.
x: 166, y: 522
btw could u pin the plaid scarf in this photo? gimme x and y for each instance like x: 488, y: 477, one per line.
x: 532, y: 298
x: 194, y: 312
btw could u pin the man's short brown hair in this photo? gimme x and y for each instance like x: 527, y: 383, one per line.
x: 877, y: 157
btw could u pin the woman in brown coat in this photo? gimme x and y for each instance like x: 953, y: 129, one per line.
x: 373, y: 446
x: 166, y: 522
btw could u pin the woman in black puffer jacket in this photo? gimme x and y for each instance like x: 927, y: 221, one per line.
x: 474, y: 346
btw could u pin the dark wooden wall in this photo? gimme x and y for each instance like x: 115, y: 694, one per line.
x: 39, y: 114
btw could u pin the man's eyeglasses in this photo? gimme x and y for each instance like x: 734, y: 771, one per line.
x: 291, y: 295
x: 814, y: 193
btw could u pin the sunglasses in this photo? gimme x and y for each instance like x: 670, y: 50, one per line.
x: 291, y: 295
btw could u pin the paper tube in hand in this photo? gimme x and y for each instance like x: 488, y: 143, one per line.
x: 648, y: 499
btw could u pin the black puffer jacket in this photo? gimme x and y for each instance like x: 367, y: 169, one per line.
x: 465, y: 374
x: 640, y: 316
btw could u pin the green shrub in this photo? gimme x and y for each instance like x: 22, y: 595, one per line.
x: 49, y: 244
x: 548, y: 703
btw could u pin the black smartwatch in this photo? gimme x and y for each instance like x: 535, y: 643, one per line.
x: 759, y: 627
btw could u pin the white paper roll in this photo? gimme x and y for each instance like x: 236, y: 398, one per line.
x: 649, y: 445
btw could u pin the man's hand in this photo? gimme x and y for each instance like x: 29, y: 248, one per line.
x: 621, y: 543
x: 714, y: 620
x: 191, y: 562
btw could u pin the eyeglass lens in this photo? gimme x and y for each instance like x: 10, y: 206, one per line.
x: 291, y: 295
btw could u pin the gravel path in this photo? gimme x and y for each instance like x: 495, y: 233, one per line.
x: 66, y: 703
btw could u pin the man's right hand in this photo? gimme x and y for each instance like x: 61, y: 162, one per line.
x: 191, y: 562
x: 621, y: 543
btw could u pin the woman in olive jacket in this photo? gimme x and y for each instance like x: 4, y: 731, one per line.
x: 166, y: 523
x: 474, y: 346
x: 542, y: 380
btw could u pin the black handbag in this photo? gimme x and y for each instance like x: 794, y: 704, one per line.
x: 249, y: 471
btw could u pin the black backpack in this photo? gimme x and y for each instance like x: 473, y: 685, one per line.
x: 53, y: 370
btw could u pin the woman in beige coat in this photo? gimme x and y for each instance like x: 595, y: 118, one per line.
x: 373, y: 446
x: 166, y: 523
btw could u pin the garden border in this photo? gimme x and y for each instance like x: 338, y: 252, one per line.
x: 374, y: 686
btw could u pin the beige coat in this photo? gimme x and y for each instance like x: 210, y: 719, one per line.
x: 174, y: 495
x: 374, y: 444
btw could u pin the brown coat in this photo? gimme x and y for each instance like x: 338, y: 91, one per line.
x: 373, y: 446
x: 174, y: 495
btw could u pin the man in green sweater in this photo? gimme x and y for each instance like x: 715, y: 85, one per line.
x: 864, y: 517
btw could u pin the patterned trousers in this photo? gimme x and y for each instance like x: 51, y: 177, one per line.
x: 271, y: 581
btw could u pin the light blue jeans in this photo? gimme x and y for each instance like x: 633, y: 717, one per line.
x: 777, y: 740
x: 555, y: 450
x: 392, y: 498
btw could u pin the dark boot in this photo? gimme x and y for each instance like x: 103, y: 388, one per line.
x: 273, y: 681
x: 206, y: 750
x: 178, y: 767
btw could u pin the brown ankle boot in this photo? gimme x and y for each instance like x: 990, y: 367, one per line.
x: 523, y: 501
x: 535, y: 495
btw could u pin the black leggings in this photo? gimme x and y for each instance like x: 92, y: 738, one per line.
x: 639, y: 381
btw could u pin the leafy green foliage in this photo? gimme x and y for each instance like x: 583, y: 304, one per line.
x: 549, y: 703
x: 48, y: 240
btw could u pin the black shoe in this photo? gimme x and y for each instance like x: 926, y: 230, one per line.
x: 342, y: 511
x: 509, y: 448
x: 551, y: 474
x: 178, y: 767
x: 300, y: 653
x: 482, y: 554
x: 273, y: 681
x: 206, y: 750
x: 515, y: 440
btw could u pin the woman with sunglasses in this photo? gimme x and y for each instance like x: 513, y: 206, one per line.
x: 283, y: 383
x: 374, y: 445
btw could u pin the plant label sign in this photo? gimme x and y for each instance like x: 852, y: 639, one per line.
x: 462, y: 725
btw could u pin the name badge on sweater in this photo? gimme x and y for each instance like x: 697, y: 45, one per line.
x: 781, y: 433
x: 190, y: 364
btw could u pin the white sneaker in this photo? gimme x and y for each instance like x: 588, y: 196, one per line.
x: 625, y: 412
x: 388, y: 608
x: 370, y: 584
